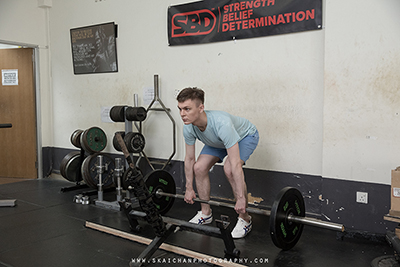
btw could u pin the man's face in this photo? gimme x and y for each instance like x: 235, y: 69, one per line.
x: 190, y: 110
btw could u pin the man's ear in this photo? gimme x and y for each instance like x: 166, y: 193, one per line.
x: 201, y: 107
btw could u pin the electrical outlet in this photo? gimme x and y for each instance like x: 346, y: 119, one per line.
x: 362, y: 197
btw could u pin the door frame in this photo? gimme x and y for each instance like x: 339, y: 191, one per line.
x: 38, y: 119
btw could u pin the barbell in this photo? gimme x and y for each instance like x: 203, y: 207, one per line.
x: 287, y: 215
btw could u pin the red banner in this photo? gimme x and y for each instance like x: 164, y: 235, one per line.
x: 221, y: 20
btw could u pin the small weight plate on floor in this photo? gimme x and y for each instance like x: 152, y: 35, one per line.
x: 160, y: 179
x: 89, y: 171
x: 93, y: 140
x: 76, y: 138
x: 285, y: 233
x: 385, y: 261
x: 69, y: 166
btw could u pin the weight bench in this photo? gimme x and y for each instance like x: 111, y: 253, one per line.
x: 7, y: 202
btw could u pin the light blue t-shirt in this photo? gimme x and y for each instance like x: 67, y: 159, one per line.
x: 223, y: 130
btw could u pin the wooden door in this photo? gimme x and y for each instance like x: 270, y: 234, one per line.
x: 18, y: 155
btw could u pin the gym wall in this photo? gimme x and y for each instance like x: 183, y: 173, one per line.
x: 325, y: 102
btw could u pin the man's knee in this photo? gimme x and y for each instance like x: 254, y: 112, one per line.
x: 200, y: 170
x: 228, y: 171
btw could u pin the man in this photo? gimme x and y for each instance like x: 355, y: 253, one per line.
x: 223, y: 135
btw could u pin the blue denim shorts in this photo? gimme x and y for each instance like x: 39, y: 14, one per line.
x: 246, y: 147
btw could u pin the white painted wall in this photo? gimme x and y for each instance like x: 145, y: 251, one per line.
x: 362, y: 90
x: 324, y: 101
x: 276, y: 82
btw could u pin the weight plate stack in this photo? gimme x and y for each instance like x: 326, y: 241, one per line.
x: 76, y: 138
x: 93, y: 140
x: 161, y: 180
x: 134, y: 142
x: 285, y: 233
x: 115, y: 141
x: 117, y: 113
x: 90, y: 174
x: 69, y: 167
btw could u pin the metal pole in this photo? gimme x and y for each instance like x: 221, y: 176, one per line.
x: 292, y: 218
x: 100, y: 170
x: 156, y: 86
x: 118, y: 172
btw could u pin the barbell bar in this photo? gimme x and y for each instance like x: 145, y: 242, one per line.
x: 287, y: 215
x: 290, y: 218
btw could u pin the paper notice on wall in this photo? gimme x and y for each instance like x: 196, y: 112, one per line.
x: 148, y: 95
x: 105, y: 114
x: 9, y: 77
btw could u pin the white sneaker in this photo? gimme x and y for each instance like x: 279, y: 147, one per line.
x: 200, y: 218
x: 242, y: 228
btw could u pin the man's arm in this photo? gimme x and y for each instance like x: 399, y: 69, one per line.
x: 190, y: 159
x: 238, y: 176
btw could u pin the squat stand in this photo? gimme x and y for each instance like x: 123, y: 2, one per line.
x: 222, y: 231
x: 137, y: 185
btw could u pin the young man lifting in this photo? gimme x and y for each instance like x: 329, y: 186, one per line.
x: 223, y: 135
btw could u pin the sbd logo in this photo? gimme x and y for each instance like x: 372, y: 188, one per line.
x: 199, y: 22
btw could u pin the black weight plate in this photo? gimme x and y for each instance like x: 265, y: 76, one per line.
x: 76, y: 138
x: 160, y: 179
x: 93, y: 140
x: 136, y: 143
x: 69, y: 166
x: 115, y: 141
x: 136, y: 113
x: 117, y: 113
x: 127, y: 140
x: 89, y: 171
x: 285, y: 233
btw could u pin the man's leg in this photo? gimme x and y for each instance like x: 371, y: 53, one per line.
x: 246, y: 148
x: 201, y: 169
x: 228, y: 173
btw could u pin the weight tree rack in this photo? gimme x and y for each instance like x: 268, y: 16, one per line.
x: 139, y: 126
x: 120, y: 114
x: 92, y: 141
x: 168, y: 112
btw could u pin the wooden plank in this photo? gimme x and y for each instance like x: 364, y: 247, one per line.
x: 388, y: 217
x: 164, y: 246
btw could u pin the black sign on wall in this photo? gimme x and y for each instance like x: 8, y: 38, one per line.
x: 94, y: 49
x: 221, y: 20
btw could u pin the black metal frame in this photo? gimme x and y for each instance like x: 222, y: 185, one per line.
x: 223, y: 231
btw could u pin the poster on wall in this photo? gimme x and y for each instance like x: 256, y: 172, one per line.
x: 222, y: 20
x: 94, y: 49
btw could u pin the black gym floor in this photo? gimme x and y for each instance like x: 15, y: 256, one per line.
x: 47, y: 229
